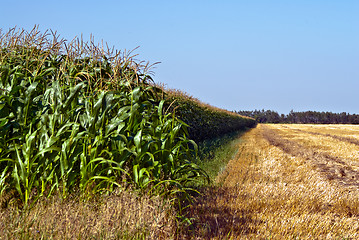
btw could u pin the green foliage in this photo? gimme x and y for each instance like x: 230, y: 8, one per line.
x: 84, y: 120
x: 206, y: 122
x: 307, y: 117
x: 214, y: 154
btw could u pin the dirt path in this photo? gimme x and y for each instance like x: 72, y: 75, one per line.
x: 283, y: 185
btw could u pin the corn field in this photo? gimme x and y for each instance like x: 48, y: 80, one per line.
x: 76, y: 116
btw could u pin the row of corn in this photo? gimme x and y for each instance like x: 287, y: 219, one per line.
x: 205, y: 121
x: 75, y: 117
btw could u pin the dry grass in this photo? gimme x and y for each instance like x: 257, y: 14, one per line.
x: 278, y: 188
x: 121, y: 216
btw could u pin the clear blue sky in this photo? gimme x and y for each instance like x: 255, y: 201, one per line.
x: 237, y: 55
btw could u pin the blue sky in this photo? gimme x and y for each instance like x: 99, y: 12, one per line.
x: 238, y: 55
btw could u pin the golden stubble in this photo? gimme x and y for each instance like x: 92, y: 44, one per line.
x: 273, y: 190
x: 340, y: 150
x: 345, y: 130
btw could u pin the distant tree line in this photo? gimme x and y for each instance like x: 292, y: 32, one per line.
x: 269, y: 116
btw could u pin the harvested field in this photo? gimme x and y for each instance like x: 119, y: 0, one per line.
x: 286, y: 182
